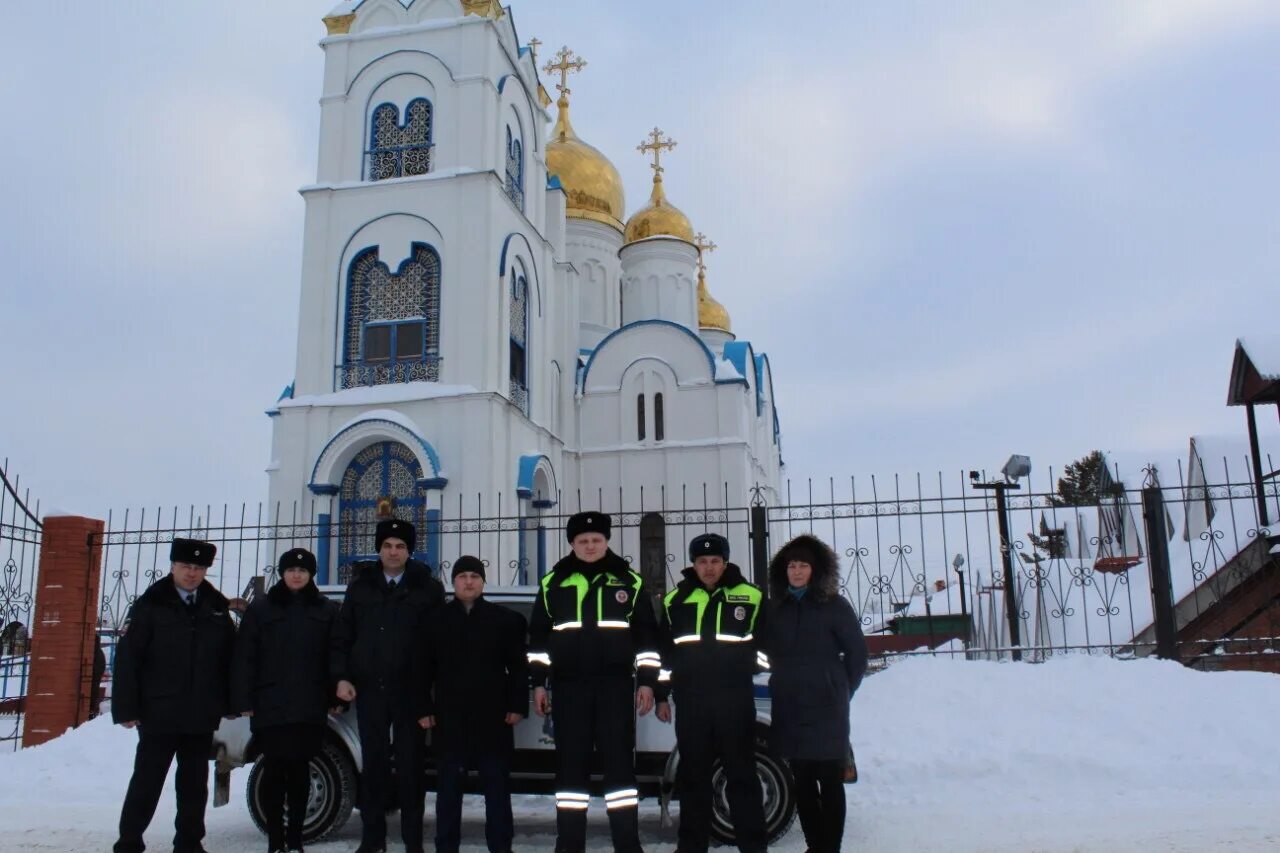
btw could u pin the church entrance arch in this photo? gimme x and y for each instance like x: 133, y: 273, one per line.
x: 382, y: 482
x: 653, y: 553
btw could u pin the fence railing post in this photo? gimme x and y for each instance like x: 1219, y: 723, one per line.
x: 759, y: 535
x: 64, y: 630
x: 1153, y: 515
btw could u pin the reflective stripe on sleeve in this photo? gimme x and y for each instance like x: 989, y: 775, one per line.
x: 567, y: 626
x: 613, y: 623
x: 687, y: 638
x: 539, y: 657
x: 733, y: 638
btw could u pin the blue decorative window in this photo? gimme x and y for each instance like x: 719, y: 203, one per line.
x: 397, y: 150
x: 519, y: 353
x: 515, y: 169
x: 393, y: 320
x: 381, y: 482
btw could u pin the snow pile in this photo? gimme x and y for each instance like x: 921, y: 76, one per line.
x: 1077, y: 754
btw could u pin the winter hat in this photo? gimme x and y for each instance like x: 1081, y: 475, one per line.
x: 709, y: 545
x: 800, y: 551
x: 298, y: 558
x: 192, y: 551
x: 467, y: 563
x: 588, y: 522
x: 394, y: 528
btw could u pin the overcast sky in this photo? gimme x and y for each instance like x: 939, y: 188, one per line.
x: 960, y: 230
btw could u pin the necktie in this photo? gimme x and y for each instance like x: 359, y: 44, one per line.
x: 191, y: 601
x: 391, y: 585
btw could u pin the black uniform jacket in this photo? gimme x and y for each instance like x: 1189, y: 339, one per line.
x: 729, y: 625
x: 288, y: 658
x: 593, y: 620
x: 476, y: 675
x: 173, y: 664
x: 384, y: 633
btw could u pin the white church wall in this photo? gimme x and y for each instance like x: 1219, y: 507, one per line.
x: 658, y: 282
x: 592, y: 247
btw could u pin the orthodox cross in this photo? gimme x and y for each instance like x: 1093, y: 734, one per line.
x: 534, y: 44
x: 702, y: 244
x: 657, y: 145
x: 566, y: 62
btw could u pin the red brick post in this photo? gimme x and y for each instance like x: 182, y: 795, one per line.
x: 62, y: 633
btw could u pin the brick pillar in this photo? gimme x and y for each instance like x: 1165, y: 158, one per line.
x: 62, y: 632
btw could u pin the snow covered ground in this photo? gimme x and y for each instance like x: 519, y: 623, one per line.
x: 1077, y: 754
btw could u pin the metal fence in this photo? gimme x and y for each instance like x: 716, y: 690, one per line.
x: 922, y: 560
x: 19, y: 558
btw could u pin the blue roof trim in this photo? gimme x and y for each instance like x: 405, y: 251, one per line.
x: 553, y: 182
x: 526, y: 471
x: 533, y: 262
x: 287, y: 393
x: 762, y: 362
x: 432, y: 456
x: 711, y: 359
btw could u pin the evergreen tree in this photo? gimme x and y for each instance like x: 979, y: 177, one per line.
x: 1085, y: 482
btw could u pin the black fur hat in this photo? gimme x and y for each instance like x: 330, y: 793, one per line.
x: 298, y: 558
x: 394, y: 528
x: 825, y: 580
x: 588, y: 522
x: 709, y: 545
x: 192, y: 551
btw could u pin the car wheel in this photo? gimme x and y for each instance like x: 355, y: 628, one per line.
x: 330, y: 800
x: 779, y: 798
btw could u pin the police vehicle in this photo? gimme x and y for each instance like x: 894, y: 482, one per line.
x: 335, y: 771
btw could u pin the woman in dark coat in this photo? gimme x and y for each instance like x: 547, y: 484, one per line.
x: 284, y: 674
x: 818, y: 656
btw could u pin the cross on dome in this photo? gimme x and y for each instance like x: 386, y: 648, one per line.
x: 656, y: 144
x: 565, y: 63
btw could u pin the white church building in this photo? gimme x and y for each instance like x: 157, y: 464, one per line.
x: 484, y: 333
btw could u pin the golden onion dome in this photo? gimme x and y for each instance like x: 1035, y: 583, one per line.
x: 592, y: 185
x: 658, y: 218
x: 711, y: 314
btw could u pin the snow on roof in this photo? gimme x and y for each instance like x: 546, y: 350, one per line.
x: 726, y: 369
x: 399, y: 392
x: 1264, y: 353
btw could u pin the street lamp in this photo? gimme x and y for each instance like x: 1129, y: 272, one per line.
x: 958, y: 565
x: 1015, y: 469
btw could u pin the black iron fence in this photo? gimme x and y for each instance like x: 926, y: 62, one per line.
x: 19, y: 559
x: 922, y: 560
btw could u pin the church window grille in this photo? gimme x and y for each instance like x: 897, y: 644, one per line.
x: 639, y: 417
x: 392, y: 329
x: 382, y: 478
x: 398, y: 150
x: 519, y: 384
x: 659, y: 427
x: 515, y: 169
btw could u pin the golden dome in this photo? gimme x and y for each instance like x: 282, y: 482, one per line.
x: 591, y: 184
x: 658, y: 218
x: 711, y: 314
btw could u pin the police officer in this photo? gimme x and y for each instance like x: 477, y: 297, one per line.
x: 383, y: 623
x: 171, y: 684
x: 593, y: 633
x: 711, y: 637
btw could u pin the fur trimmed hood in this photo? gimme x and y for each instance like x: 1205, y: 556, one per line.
x: 826, y: 567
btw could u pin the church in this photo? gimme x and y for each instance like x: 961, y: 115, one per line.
x: 484, y: 332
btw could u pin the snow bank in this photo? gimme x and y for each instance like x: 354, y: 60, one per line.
x: 1077, y: 754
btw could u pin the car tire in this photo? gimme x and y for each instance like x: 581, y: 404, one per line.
x: 779, y: 798
x: 332, y: 796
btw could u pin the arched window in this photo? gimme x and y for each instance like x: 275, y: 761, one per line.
x: 659, y: 428
x: 381, y: 482
x: 519, y: 339
x: 393, y: 320
x: 515, y: 169
x: 397, y: 150
x: 640, y: 417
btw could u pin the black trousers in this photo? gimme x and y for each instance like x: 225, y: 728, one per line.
x: 820, y: 802
x: 385, y: 728
x: 721, y: 725
x: 156, y: 751
x: 597, y: 713
x: 287, y: 751
x: 495, y: 780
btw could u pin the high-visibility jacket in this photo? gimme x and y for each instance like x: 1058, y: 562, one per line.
x: 591, y: 620
x: 712, y: 639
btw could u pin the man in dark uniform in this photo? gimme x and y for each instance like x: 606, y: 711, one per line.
x: 479, y: 681
x: 712, y: 639
x: 172, y: 683
x: 592, y: 632
x: 384, y: 622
